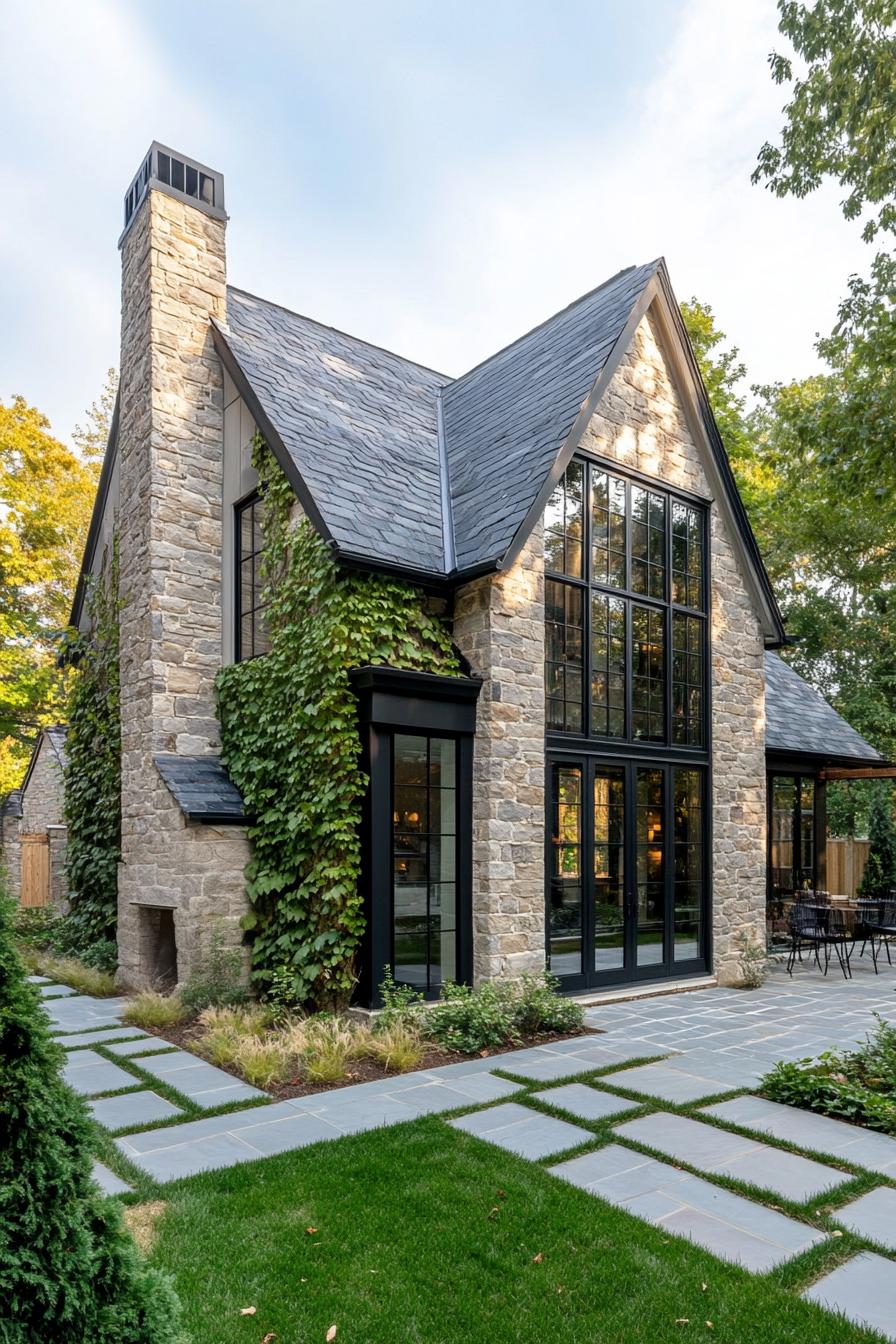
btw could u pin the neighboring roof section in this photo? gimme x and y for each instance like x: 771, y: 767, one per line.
x: 507, y: 419
x: 202, y: 789
x: 12, y: 804
x: 55, y: 737
x: 799, y: 720
x: 358, y: 423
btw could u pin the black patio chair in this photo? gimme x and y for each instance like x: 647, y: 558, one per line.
x: 868, y: 910
x: 882, y: 927
x: 819, y: 927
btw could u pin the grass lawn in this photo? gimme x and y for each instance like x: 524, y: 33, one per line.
x: 427, y: 1236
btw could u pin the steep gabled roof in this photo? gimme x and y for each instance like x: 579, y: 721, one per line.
x: 799, y: 721
x: 405, y: 469
x: 507, y: 420
x: 358, y: 423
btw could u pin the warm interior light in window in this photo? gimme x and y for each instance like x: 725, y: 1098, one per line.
x: 413, y: 817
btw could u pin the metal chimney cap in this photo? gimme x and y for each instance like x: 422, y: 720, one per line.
x: 185, y: 179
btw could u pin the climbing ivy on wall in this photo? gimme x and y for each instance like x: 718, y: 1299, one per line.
x: 291, y: 743
x: 93, y: 767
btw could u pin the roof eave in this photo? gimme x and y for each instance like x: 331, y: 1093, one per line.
x: 96, y: 517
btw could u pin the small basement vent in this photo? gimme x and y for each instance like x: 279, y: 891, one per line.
x: 177, y: 175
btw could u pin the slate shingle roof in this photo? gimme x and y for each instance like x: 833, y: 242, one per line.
x: 12, y: 804
x: 798, y: 719
x: 507, y: 419
x: 362, y: 427
x: 359, y: 424
x: 202, y: 788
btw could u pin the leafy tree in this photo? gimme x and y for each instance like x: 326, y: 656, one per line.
x: 829, y: 550
x: 68, y: 1271
x: 90, y: 440
x: 840, y: 124
x: 879, y: 877
x: 46, y: 496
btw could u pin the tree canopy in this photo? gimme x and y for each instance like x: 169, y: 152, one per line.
x: 46, y: 496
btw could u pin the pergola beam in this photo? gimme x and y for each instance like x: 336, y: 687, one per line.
x: 859, y: 772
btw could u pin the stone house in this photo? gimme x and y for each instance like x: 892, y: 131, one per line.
x: 596, y: 794
x: 32, y: 826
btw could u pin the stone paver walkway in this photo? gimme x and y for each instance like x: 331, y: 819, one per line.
x: 712, y: 1042
x: 805, y: 1129
x: 872, y: 1216
x: 204, y: 1084
x: 718, y: 1150
x: 732, y: 1227
x: 108, y: 1182
x: 863, y: 1290
x: 584, y: 1102
x: 522, y: 1131
x: 132, y: 1108
x: 241, y: 1136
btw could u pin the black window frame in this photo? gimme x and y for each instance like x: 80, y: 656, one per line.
x: 631, y: 971
x: 560, y: 737
x: 251, y: 502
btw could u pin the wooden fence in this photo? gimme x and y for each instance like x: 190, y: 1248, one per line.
x: 846, y: 864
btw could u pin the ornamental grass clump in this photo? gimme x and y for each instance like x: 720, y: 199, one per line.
x: 69, y: 1272
x: 151, y: 1009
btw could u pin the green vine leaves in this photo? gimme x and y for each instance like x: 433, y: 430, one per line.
x: 93, y: 762
x: 291, y: 743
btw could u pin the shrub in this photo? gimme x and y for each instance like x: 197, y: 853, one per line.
x: 540, y: 1008
x: 224, y: 1030
x: 74, y: 936
x: 492, y: 1016
x: 472, y: 1020
x: 859, y: 1085
x: 68, y: 1271
x: 150, y: 1009
x: 879, y: 877
x: 401, y: 1003
x: 34, y: 925
x: 280, y: 994
x: 217, y: 980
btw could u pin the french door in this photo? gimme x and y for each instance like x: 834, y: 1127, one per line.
x: 626, y: 871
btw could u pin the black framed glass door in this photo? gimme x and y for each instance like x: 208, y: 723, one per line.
x: 626, y: 888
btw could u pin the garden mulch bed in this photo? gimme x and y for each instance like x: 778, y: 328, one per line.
x: 363, y: 1070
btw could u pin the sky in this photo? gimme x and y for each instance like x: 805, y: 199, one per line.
x: 434, y: 178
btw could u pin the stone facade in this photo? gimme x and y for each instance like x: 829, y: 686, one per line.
x: 42, y: 803
x: 10, y: 843
x: 641, y: 424
x: 170, y: 436
x: 499, y: 627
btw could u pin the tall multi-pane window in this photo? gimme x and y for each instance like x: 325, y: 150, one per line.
x: 625, y: 610
x: 424, y: 807
x: 251, y: 621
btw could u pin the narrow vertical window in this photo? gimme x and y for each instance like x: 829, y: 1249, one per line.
x: 564, y: 650
x: 687, y: 680
x: 648, y: 656
x: 565, y: 931
x: 687, y: 807
x: 251, y: 623
x: 607, y: 665
x: 648, y: 543
x: 564, y: 523
x: 608, y: 529
x: 651, y: 874
x: 687, y: 556
x: 424, y: 809
x: 609, y: 869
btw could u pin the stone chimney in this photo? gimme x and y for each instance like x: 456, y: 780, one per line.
x: 170, y: 512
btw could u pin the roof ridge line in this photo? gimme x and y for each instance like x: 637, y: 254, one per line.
x: 327, y: 326
x: 445, y: 488
x: 550, y: 318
